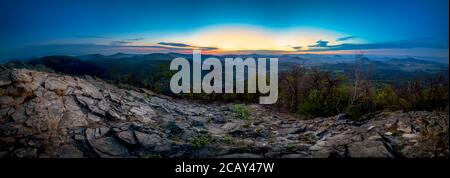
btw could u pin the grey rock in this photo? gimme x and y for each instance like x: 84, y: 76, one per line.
x: 292, y: 130
x: 294, y: 156
x: 55, y: 84
x: 97, y: 132
x: 143, y: 113
x: 93, y: 117
x: 148, y: 140
x: 85, y: 101
x: 107, y: 147
x: 229, y: 126
x: 19, y: 115
x: 411, y: 136
x: 6, y: 100
x: 90, y: 90
x: 103, y: 105
x: 114, y: 115
x: 79, y: 137
x: 21, y: 75
x: 26, y: 153
x: 368, y: 149
x: 219, y: 120
x: 242, y: 155
x: 162, y: 148
x: 127, y: 137
x: 342, y: 116
x: 73, y: 115
x: 68, y: 151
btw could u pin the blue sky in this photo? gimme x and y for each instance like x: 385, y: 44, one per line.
x: 28, y: 26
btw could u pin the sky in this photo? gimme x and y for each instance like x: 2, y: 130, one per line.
x: 76, y: 27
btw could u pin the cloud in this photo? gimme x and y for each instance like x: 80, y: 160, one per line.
x: 404, y: 44
x: 174, y: 44
x: 118, y: 43
x: 320, y: 44
x: 151, y: 47
x: 207, y: 48
x: 347, y: 38
x: 134, y: 39
x: 297, y: 47
x: 183, y: 45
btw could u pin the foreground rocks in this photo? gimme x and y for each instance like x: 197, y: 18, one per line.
x: 50, y: 115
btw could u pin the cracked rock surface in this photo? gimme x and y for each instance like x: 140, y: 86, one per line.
x: 52, y: 115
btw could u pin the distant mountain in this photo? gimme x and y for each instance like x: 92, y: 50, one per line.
x: 392, y: 71
x: 121, y: 55
x: 411, y: 60
x: 145, y: 70
x: 90, y: 56
x: 67, y: 64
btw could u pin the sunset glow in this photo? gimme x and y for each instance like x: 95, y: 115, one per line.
x: 245, y: 37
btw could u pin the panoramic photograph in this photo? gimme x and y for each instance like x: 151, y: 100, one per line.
x: 241, y: 79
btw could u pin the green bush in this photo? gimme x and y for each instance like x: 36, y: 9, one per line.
x: 311, y: 106
x: 386, y: 98
x: 241, y: 111
x: 379, y: 99
x: 324, y: 103
x: 201, y: 141
x: 357, y: 110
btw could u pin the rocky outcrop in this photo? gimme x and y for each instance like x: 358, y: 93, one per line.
x: 51, y: 115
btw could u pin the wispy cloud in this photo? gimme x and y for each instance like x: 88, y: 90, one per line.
x: 174, y: 44
x: 405, y: 44
x: 134, y: 39
x: 207, y: 48
x: 120, y: 43
x: 347, y: 38
x: 183, y: 45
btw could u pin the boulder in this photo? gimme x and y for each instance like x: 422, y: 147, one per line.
x: 73, y: 115
x: 108, y: 147
x: 127, y: 137
x: 55, y: 84
x: 368, y: 149
x: 148, y: 140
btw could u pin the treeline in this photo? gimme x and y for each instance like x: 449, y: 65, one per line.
x: 316, y: 93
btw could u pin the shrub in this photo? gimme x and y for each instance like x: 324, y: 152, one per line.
x: 357, y: 110
x: 311, y: 106
x: 201, y: 141
x: 327, y: 102
x: 425, y: 94
x: 386, y: 98
x: 241, y: 111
